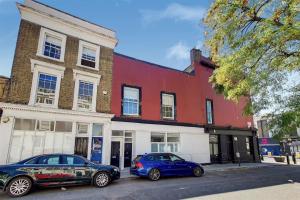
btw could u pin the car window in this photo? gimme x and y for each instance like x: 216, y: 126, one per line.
x: 162, y: 157
x: 32, y: 161
x: 175, y: 158
x: 49, y: 160
x: 73, y: 160
x: 150, y: 158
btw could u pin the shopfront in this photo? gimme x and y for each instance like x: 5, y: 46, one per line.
x: 31, y: 131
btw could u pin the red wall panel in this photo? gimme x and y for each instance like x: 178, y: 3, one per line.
x: 191, y: 92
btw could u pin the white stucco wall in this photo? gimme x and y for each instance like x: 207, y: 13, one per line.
x: 194, y: 143
x: 5, y: 134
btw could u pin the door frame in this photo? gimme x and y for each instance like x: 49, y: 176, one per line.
x: 121, y: 140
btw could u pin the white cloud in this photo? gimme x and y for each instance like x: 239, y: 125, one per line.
x: 179, y: 51
x: 174, y: 11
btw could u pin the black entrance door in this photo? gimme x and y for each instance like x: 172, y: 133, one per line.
x: 81, y: 146
x: 230, y: 152
x: 127, y: 154
x: 115, y: 154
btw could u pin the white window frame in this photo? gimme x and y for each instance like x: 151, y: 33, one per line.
x: 86, y: 77
x: 138, y: 104
x: 165, y: 142
x: 173, y: 106
x: 90, y: 46
x: 38, y: 67
x: 43, y: 33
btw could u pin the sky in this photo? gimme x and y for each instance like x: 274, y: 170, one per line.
x: 161, y: 32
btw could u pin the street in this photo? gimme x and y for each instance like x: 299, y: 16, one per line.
x: 276, y: 182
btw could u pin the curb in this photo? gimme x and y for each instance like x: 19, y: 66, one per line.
x: 216, y: 170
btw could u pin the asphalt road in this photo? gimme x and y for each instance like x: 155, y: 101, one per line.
x: 260, y: 183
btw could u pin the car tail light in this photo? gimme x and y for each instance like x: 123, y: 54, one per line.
x: 139, y: 165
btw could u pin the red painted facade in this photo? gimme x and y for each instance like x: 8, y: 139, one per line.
x: 191, y: 89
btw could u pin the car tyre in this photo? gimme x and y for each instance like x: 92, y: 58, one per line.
x: 101, y: 179
x: 198, y: 171
x: 154, y: 174
x: 19, y: 186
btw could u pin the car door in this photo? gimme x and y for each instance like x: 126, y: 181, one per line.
x: 48, y: 171
x: 165, y: 165
x: 76, y: 169
x: 180, y: 165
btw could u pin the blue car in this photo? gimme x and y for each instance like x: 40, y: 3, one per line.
x: 156, y: 165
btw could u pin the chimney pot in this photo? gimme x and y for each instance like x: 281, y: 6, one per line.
x: 195, y: 55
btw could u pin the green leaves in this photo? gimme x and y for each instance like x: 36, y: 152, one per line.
x: 252, y: 42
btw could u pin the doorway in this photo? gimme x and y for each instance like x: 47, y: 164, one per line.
x: 115, y: 152
x: 127, y: 154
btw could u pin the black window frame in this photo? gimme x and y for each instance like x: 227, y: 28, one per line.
x: 212, y: 111
x: 175, y: 106
x: 140, y: 100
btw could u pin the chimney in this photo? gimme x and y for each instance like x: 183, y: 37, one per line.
x: 195, y: 55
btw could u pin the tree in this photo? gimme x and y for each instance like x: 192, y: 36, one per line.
x: 256, y: 44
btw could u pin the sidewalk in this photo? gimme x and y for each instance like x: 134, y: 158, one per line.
x: 270, y: 160
x: 216, y: 167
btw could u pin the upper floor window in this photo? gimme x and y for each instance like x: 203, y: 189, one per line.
x: 209, y: 111
x: 88, y: 55
x: 46, y: 89
x: 51, y: 45
x: 131, y: 101
x: 85, y: 92
x: 85, y: 95
x: 45, y: 83
x: 168, y: 106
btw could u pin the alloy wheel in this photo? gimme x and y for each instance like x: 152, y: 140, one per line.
x: 154, y: 174
x: 19, y: 187
x: 197, y: 171
x: 102, y: 179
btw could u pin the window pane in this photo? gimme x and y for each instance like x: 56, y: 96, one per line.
x: 173, y: 137
x: 162, y: 148
x: 168, y: 105
x: 63, y: 126
x: 73, y: 160
x: 131, y: 101
x: 157, y: 137
x: 45, y: 125
x: 154, y: 148
x: 52, y: 47
x: 117, y: 133
x: 82, y: 128
x: 128, y: 140
x: 85, y: 95
x: 128, y: 134
x: 24, y: 124
x: 49, y: 160
x: 209, y: 111
x: 46, y: 89
x: 97, y: 130
x: 88, y: 57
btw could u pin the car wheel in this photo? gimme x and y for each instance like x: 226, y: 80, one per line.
x: 198, y: 171
x: 154, y: 174
x: 101, y: 179
x: 19, y: 186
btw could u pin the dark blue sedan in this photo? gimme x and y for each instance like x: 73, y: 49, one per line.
x: 156, y: 165
x: 54, y: 170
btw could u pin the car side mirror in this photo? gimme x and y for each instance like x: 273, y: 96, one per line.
x: 86, y: 163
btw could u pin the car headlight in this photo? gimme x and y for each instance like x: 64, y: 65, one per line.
x: 116, y: 169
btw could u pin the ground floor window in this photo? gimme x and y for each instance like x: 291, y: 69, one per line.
x: 34, y: 137
x: 165, y: 142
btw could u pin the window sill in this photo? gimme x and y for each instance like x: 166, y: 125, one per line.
x: 83, y: 110
x: 86, y: 67
x: 169, y: 119
x: 131, y: 116
x: 50, y: 58
x: 44, y: 105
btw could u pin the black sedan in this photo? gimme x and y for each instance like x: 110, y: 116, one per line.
x: 54, y: 170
